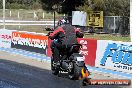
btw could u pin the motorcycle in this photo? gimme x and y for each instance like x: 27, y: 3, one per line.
x: 71, y: 61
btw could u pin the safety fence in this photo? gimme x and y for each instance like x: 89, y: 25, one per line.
x: 113, y: 55
x: 114, y: 24
x: 28, y: 20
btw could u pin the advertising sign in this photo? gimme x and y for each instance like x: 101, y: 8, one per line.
x: 5, y: 38
x: 79, y: 18
x: 29, y: 41
x: 114, y: 55
x: 89, y: 47
x: 95, y: 19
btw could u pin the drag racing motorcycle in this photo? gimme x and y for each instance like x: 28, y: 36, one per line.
x: 71, y: 61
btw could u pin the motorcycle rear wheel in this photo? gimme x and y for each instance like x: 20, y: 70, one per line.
x: 75, y: 74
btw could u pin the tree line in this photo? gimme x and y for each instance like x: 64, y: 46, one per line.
x: 110, y: 7
x: 21, y: 4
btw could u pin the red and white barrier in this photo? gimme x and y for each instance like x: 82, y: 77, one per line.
x: 30, y: 41
x: 114, y: 55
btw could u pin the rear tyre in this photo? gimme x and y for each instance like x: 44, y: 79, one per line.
x: 77, y: 71
x: 71, y: 76
x: 55, y: 72
x: 71, y: 71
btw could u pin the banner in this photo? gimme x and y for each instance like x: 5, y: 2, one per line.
x: 89, y: 47
x: 79, y: 18
x: 114, y: 55
x: 95, y: 19
x: 30, y: 42
x: 5, y: 38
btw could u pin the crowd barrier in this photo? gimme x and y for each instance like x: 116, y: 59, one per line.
x: 113, y: 55
x: 29, y: 41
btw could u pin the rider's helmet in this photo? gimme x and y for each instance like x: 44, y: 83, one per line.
x: 63, y: 21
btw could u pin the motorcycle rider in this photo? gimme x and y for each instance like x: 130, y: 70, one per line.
x: 65, y: 35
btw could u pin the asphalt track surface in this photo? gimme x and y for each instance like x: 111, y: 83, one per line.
x: 17, y: 71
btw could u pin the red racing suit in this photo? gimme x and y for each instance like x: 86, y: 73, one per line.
x: 66, y: 35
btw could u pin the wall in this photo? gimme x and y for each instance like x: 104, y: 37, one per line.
x: 113, y: 55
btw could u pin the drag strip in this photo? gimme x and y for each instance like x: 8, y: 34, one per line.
x: 17, y: 71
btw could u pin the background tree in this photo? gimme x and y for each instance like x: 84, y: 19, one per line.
x: 63, y: 6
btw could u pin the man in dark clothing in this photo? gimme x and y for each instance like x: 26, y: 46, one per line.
x: 66, y: 36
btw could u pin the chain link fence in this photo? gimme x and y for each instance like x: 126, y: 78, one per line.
x: 117, y: 24
x: 38, y: 19
x: 115, y: 28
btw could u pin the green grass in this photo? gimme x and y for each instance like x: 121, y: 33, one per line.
x: 106, y: 37
x: 109, y: 37
x: 41, y: 29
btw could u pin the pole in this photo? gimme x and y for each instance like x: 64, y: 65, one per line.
x: 131, y: 19
x: 114, y: 25
x: 43, y: 15
x: 3, y: 14
x: 54, y: 19
x: 10, y: 13
x: 18, y: 15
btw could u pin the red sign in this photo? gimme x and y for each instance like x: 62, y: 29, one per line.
x: 31, y: 42
x: 89, y: 47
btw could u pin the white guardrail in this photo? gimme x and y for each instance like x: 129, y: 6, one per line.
x: 28, y: 23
